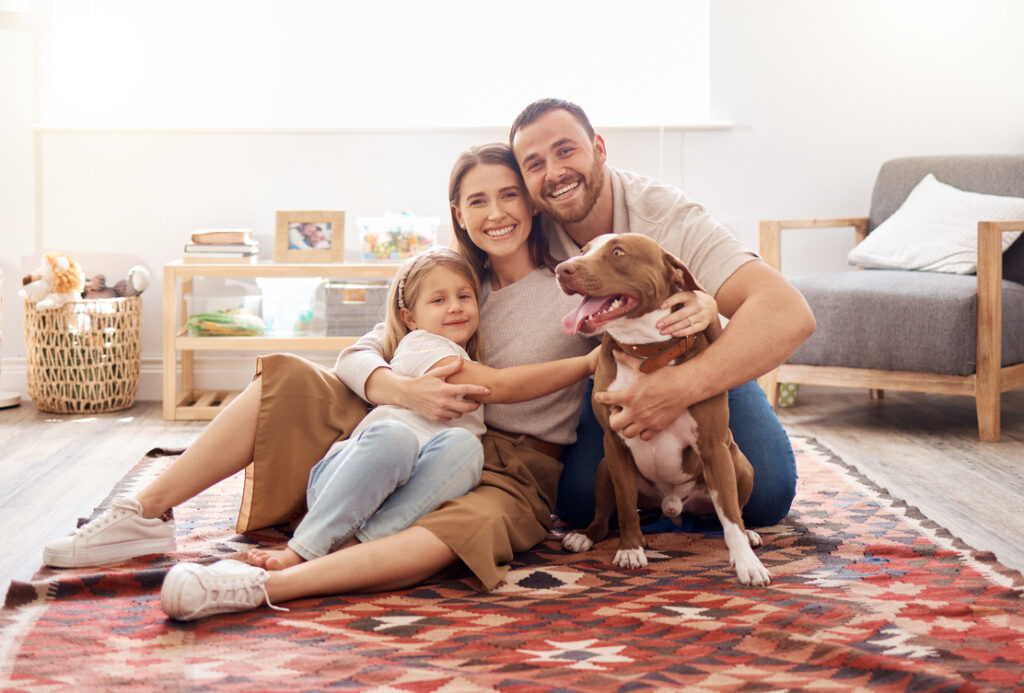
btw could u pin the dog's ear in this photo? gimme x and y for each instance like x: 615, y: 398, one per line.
x: 683, y: 278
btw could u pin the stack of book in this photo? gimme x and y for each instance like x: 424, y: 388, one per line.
x: 222, y: 245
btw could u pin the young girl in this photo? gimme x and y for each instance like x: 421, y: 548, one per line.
x: 400, y: 456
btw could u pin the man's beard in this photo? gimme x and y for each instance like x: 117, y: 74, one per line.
x: 592, y: 185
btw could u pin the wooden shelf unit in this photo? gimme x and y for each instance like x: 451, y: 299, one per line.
x: 189, y: 404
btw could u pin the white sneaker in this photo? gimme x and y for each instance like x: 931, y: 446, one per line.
x: 119, y: 533
x: 193, y: 591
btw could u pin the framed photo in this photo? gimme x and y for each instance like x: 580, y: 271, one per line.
x: 310, y: 237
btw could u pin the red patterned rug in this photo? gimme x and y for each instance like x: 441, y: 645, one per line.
x: 867, y: 595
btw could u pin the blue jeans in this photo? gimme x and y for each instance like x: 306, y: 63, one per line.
x: 756, y: 430
x: 382, y: 482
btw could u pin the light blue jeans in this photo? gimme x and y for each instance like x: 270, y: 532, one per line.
x: 757, y: 433
x: 382, y: 482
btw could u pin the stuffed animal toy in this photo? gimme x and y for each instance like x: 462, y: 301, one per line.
x: 96, y: 287
x: 133, y: 285
x: 58, y: 280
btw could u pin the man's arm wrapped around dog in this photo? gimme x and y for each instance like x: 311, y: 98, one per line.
x: 363, y: 369
x: 768, y: 320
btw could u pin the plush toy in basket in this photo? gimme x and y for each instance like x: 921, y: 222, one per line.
x: 134, y: 284
x: 58, y: 279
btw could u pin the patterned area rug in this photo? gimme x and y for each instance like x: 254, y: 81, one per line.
x: 867, y: 595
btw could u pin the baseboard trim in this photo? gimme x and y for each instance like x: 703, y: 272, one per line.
x: 212, y: 372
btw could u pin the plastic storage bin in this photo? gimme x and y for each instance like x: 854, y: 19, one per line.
x: 224, y: 316
x: 353, y: 307
x: 396, y: 236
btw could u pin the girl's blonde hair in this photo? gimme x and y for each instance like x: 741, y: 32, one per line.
x: 406, y: 287
x: 500, y: 154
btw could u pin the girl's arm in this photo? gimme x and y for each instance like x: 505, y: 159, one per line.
x: 362, y: 368
x: 523, y: 382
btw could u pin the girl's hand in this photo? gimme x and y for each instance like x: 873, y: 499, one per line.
x: 699, y: 311
x: 592, y: 359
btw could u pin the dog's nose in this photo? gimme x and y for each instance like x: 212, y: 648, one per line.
x: 565, y: 269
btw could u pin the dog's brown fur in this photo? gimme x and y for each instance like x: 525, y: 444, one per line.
x: 630, y: 264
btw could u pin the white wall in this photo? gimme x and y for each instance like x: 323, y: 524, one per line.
x: 820, y: 92
x: 17, y: 198
x: 823, y: 91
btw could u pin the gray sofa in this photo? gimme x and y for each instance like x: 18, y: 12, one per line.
x: 914, y: 330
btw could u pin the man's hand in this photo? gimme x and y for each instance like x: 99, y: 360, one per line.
x: 438, y: 400
x: 648, y: 406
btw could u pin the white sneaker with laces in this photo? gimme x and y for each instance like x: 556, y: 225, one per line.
x: 119, y: 533
x: 192, y: 591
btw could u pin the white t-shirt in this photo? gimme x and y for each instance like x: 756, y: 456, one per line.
x: 416, y: 353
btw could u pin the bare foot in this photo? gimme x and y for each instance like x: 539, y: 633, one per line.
x: 274, y: 559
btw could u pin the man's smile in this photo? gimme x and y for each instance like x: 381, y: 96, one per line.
x: 564, y: 190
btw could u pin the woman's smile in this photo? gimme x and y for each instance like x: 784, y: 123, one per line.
x: 501, y: 232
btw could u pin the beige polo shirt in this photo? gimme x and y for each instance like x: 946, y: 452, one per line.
x: 682, y: 227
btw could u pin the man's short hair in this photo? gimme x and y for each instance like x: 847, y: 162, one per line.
x: 541, y: 106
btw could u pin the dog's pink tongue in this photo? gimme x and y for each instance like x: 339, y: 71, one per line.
x: 590, y: 305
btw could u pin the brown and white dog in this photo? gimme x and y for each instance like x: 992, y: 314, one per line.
x: 624, y: 278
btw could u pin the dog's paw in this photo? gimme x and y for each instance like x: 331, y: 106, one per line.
x: 577, y: 542
x: 754, y: 537
x: 750, y: 571
x: 630, y: 558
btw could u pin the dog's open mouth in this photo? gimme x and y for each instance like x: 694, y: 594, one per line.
x: 595, y: 311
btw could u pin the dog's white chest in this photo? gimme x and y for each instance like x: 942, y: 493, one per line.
x: 660, y: 458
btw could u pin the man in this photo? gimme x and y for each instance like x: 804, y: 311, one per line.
x: 563, y: 162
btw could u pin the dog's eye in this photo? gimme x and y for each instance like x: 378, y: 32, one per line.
x: 618, y: 252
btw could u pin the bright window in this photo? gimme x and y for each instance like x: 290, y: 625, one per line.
x: 375, y: 63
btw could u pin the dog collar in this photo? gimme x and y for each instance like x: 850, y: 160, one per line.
x: 657, y: 354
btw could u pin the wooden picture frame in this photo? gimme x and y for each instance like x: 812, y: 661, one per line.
x: 303, y: 236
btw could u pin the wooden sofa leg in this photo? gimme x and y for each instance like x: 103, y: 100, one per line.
x: 769, y: 382
x: 876, y: 394
x: 987, y: 404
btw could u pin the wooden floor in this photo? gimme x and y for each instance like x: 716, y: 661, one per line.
x: 55, y: 468
x: 923, y: 448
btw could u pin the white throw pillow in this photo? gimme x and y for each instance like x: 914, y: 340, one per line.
x: 936, y: 230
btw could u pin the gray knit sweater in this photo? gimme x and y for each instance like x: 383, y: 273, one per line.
x: 520, y: 323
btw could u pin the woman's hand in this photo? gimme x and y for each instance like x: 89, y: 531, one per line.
x: 699, y: 311
x: 592, y: 359
x: 432, y: 396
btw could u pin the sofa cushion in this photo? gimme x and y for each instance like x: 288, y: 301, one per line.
x: 936, y: 229
x: 994, y: 174
x: 902, y: 321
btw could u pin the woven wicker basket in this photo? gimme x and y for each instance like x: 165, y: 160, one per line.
x: 84, y: 356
